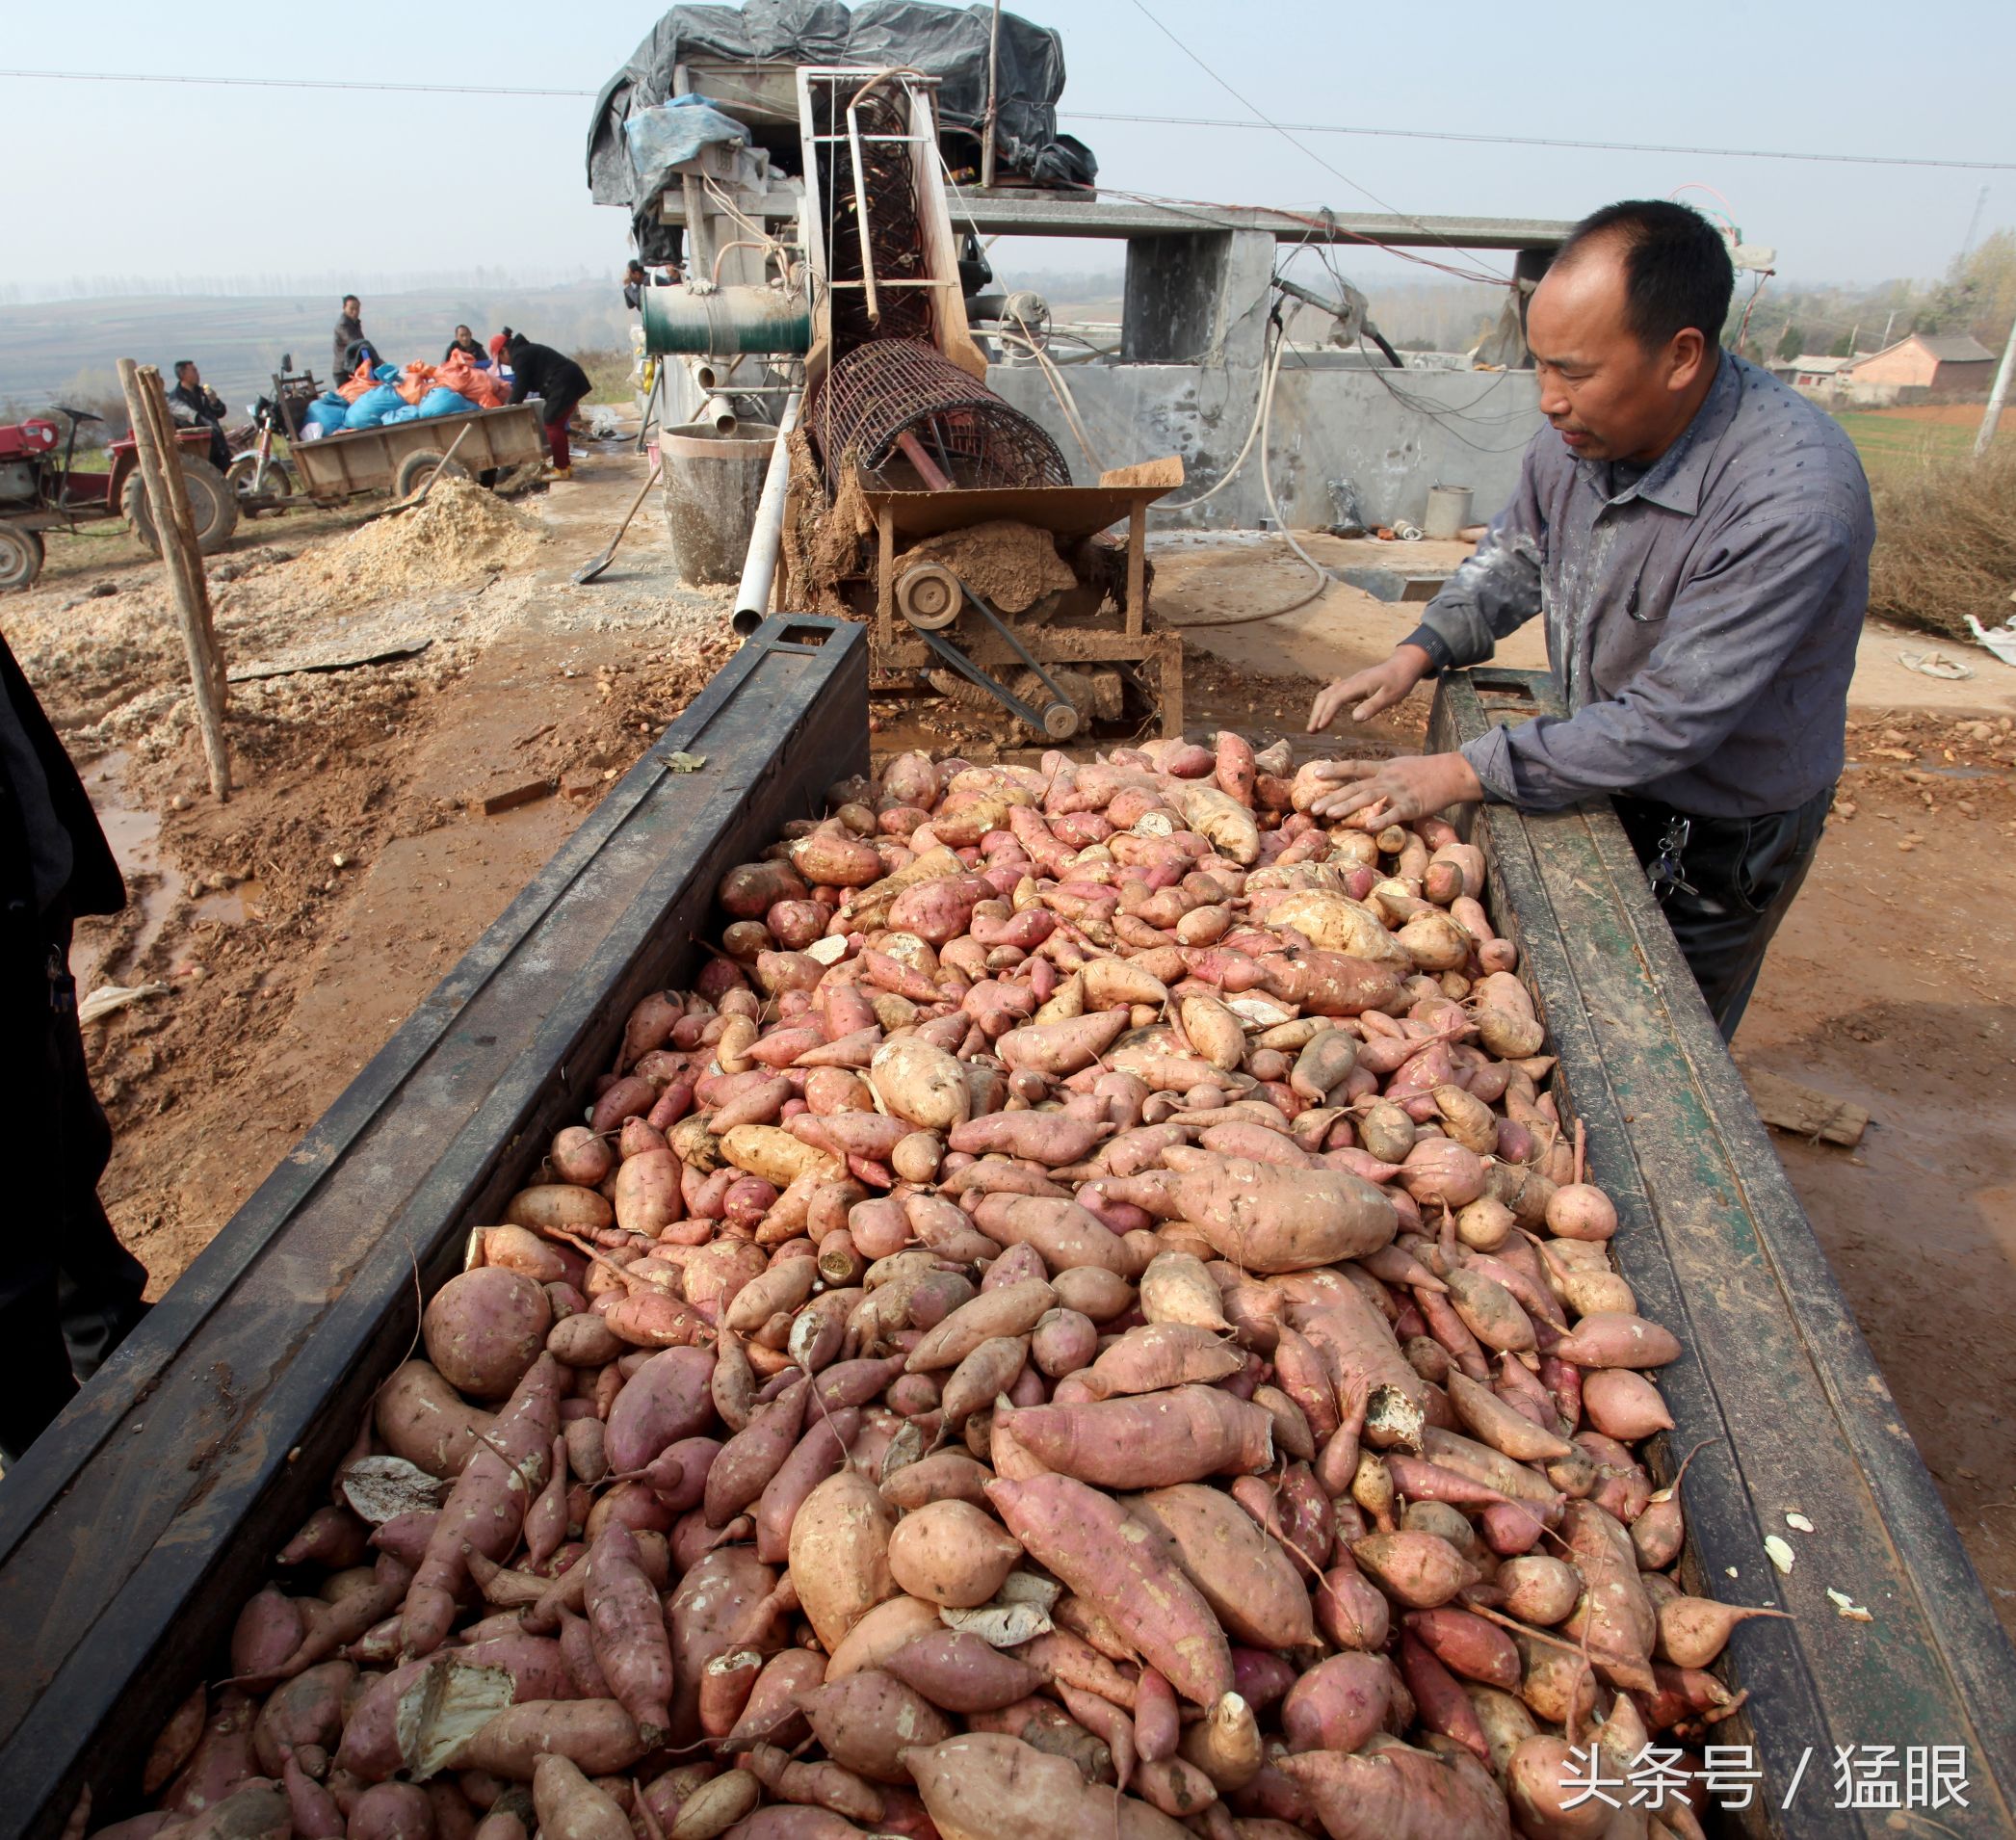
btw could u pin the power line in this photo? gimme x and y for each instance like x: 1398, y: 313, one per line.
x: 1264, y: 121
x: 289, y: 83
x: 1537, y: 141
x: 1087, y: 114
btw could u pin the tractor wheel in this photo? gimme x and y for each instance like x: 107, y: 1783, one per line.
x: 416, y: 469
x: 20, y: 557
x: 212, y: 506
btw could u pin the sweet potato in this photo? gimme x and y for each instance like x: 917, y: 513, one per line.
x: 754, y: 1454
x: 1265, y: 1218
x: 571, y: 1807
x: 839, y: 1546
x: 560, y: 1206
x: 596, y: 1734
x: 668, y: 1398
x: 421, y: 1417
x: 488, y: 1506
x: 1245, y: 1577
x: 921, y: 1084
x: 986, y: 1786
x: 484, y: 1328
x: 944, y: 1475
x: 958, y: 1671
x: 1392, y: 1790
x: 1062, y: 1231
x: 1112, y: 1561
x: 631, y: 1647
x: 951, y: 1552
x: 1150, y: 1441
x: 1063, y: 1047
x: 869, y: 1719
x: 1158, y: 1355
x: 1338, y: 1703
x: 1013, y: 1310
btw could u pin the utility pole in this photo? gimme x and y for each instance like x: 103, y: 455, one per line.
x: 1997, y: 397
x: 986, y: 146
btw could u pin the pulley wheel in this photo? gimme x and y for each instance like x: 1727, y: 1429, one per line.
x: 1060, y: 722
x: 929, y: 595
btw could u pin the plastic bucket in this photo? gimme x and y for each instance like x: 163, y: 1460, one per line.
x: 712, y: 482
x: 1447, y: 512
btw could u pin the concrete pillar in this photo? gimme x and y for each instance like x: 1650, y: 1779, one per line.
x: 1197, y: 300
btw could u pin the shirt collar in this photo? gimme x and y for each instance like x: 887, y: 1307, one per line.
x: 1676, y: 477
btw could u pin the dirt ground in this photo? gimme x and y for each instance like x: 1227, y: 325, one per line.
x: 296, y: 925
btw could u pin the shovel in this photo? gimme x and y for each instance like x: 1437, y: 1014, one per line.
x: 596, y: 564
x: 428, y: 484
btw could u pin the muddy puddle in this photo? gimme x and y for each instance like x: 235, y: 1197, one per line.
x: 155, y: 888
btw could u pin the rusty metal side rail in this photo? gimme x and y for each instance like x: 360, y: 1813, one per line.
x: 134, y: 1529
x: 367, y: 459
x: 1776, y: 1378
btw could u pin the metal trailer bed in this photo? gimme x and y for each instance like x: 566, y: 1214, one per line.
x: 368, y: 459
x: 131, y: 1534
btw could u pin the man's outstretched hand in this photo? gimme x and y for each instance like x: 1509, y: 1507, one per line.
x: 1396, y: 791
x: 1375, y: 688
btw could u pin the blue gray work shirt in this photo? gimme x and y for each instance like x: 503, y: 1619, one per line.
x: 1701, y: 617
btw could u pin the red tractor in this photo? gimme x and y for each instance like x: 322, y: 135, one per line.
x: 39, y: 491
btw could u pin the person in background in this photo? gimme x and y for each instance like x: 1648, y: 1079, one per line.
x: 349, y: 330
x: 1695, y: 537
x: 70, y: 1292
x: 193, y: 403
x: 634, y: 282
x: 557, y: 380
x: 466, y: 342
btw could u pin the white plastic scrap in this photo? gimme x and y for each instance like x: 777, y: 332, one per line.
x: 1845, y: 1607
x: 1779, y: 1552
x: 1798, y: 1523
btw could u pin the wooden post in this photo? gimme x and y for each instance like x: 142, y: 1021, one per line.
x: 993, y: 116
x: 168, y: 497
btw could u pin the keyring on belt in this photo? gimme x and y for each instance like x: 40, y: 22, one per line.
x: 1665, y: 874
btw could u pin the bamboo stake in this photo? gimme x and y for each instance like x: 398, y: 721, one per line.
x: 168, y: 497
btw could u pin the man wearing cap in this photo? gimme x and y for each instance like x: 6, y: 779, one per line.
x: 1696, y: 537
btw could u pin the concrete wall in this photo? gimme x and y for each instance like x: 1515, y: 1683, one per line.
x: 1390, y: 433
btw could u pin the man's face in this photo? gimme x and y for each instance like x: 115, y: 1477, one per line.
x: 188, y: 374
x: 352, y: 305
x: 461, y: 334
x: 1606, y: 395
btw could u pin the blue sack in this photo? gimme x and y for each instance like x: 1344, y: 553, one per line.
x: 661, y: 137
x: 443, y: 401
x: 404, y: 412
x: 373, y: 406
x: 327, y: 414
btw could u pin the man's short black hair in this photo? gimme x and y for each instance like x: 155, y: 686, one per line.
x: 1677, y: 271
x: 350, y: 299
x: 184, y: 364
x: 636, y: 267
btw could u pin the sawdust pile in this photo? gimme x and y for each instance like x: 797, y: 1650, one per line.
x: 1009, y: 565
x: 464, y: 531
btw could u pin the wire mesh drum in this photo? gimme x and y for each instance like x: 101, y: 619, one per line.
x: 888, y: 193
x: 903, y: 413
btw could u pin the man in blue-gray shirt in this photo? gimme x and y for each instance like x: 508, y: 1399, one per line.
x: 1696, y: 537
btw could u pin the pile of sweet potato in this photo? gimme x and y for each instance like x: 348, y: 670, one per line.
x: 1085, y: 1319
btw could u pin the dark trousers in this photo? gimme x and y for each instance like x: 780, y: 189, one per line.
x: 219, y: 447
x: 1734, y: 881
x: 68, y: 1290
x: 557, y: 415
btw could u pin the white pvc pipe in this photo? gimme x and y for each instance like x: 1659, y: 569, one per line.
x: 766, y: 533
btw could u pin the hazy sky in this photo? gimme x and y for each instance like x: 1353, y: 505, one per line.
x: 160, y: 180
